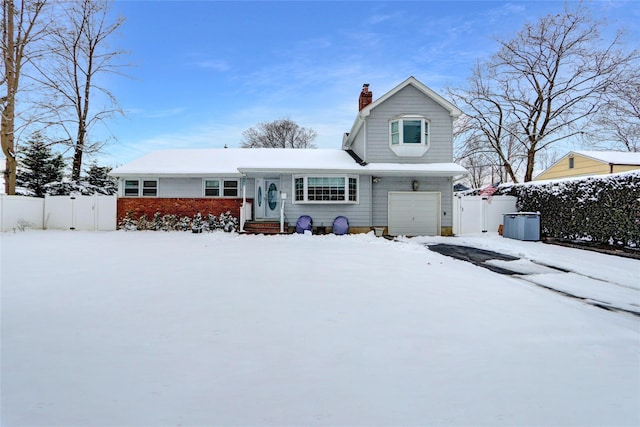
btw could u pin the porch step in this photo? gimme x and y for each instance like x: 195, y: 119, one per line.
x: 263, y: 227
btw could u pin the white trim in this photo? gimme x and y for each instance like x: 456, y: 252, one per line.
x: 406, y: 149
x: 141, y: 188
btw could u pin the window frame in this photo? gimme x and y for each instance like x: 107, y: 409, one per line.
x: 301, y: 194
x: 142, y: 186
x: 223, y: 189
x: 397, y: 142
x: 130, y: 188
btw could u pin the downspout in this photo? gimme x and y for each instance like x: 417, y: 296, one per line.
x: 610, y: 168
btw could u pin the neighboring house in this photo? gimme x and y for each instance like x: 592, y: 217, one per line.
x: 395, y: 170
x: 582, y: 163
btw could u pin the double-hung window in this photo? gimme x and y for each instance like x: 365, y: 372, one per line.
x: 212, y: 188
x: 409, y: 136
x: 131, y: 188
x: 140, y: 187
x: 325, y: 189
x: 221, y: 187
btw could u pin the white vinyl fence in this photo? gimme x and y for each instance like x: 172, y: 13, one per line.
x: 18, y: 211
x: 477, y: 214
x: 87, y: 213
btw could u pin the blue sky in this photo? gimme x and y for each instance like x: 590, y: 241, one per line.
x: 205, y: 71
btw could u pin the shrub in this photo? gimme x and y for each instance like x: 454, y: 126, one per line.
x: 169, y: 222
x: 197, y: 224
x: 128, y: 223
x: 603, y: 209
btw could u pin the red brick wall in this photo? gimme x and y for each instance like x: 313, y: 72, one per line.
x: 177, y: 206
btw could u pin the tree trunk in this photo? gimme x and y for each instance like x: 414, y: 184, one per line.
x: 7, y: 136
x: 77, y: 161
x: 509, y: 170
x: 10, y: 176
x: 531, y: 159
x: 76, y: 167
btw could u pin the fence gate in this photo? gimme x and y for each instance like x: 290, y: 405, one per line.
x: 87, y: 213
x: 476, y: 214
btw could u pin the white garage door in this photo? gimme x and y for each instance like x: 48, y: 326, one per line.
x: 414, y: 213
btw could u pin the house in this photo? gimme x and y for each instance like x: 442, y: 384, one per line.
x: 583, y: 163
x: 394, y: 170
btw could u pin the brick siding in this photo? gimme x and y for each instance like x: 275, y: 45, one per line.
x: 177, y: 206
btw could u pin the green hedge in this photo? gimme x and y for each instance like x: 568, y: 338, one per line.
x: 603, y: 210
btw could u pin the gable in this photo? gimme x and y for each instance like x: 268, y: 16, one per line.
x: 447, y: 106
x: 420, y: 87
x: 408, y: 103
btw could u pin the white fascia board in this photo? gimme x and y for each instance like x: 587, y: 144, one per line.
x: 286, y: 171
x: 429, y: 169
x: 174, y: 175
x: 357, y: 125
x: 382, y: 169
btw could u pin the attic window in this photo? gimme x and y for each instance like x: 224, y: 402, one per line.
x: 409, y: 136
x: 571, y: 164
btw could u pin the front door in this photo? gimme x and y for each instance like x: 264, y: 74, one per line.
x: 267, y: 202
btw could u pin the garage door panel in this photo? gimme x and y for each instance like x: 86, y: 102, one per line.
x: 414, y: 213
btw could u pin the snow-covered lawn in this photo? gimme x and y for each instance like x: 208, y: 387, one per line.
x: 169, y: 329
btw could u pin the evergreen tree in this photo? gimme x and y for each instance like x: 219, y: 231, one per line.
x: 38, y: 166
x: 98, y: 178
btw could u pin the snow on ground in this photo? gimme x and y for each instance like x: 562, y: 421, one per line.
x: 167, y: 329
x: 607, y: 280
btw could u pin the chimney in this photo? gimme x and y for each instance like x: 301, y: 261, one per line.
x: 366, y: 97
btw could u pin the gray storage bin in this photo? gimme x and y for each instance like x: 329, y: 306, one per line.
x: 521, y: 226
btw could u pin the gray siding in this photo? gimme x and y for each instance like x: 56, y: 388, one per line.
x: 180, y: 187
x: 192, y: 187
x: 358, y: 144
x: 386, y: 184
x: 408, y: 100
x: 359, y: 215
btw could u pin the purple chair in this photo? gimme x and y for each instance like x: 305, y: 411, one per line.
x: 340, y: 225
x: 303, y: 224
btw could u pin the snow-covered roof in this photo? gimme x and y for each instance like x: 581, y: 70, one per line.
x: 240, y: 161
x: 612, y: 157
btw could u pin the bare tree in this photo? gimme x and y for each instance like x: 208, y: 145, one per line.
x: 618, y: 123
x: 283, y: 133
x: 81, y: 55
x: 21, y: 29
x: 486, y: 127
x: 541, y: 87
